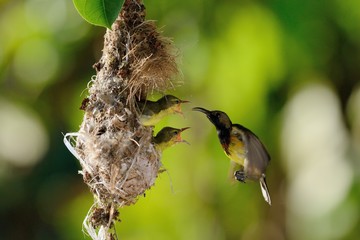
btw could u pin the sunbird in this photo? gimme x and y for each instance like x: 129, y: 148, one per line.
x: 168, y: 137
x: 243, y: 147
x: 153, y: 112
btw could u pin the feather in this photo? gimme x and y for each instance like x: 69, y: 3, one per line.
x: 264, y: 189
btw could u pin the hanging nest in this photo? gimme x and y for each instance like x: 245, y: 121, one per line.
x: 118, y: 159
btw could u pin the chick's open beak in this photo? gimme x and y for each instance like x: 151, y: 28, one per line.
x: 177, y: 108
x: 178, y: 137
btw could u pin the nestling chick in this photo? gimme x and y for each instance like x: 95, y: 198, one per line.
x: 168, y: 137
x: 153, y: 112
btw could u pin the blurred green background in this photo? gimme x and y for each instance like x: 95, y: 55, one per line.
x: 288, y: 70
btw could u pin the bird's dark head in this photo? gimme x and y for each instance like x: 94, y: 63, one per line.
x: 170, y: 100
x: 218, y: 118
x: 168, y: 137
x: 171, y: 103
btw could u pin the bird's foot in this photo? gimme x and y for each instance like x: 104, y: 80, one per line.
x: 240, y: 176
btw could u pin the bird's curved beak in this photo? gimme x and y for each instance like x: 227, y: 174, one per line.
x: 203, y: 110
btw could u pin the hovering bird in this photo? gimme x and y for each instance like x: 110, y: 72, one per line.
x: 153, y: 112
x: 243, y: 147
x: 168, y: 137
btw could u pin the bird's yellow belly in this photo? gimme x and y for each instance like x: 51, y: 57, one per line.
x: 236, y: 151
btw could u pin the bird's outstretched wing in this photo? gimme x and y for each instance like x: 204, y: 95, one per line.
x: 257, y: 159
x: 257, y: 155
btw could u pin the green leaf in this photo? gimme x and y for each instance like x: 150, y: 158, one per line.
x: 99, y: 12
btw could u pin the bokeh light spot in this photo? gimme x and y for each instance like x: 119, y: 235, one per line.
x: 23, y: 139
x: 315, y: 144
x: 48, y: 13
x: 36, y: 62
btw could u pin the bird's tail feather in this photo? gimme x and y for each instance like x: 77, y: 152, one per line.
x: 264, y: 189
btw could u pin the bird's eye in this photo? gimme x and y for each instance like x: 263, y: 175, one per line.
x: 176, y: 132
